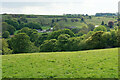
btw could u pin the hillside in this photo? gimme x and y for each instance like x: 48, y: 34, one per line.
x: 102, y: 63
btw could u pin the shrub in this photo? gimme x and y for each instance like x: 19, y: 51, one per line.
x: 21, y: 43
x: 5, y: 49
x: 100, y: 28
x: 5, y: 34
x: 48, y: 45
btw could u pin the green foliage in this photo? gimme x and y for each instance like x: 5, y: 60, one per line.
x: 55, y: 34
x: 100, y: 28
x: 118, y: 37
x: 111, y: 24
x: 48, y: 46
x: 102, y: 23
x: 41, y: 39
x: 84, y: 30
x: 33, y: 25
x: 7, y: 27
x: 63, y: 38
x: 12, y: 22
x: 27, y: 30
x: 106, y: 39
x: 34, y: 37
x: 21, y: 43
x: 73, y: 44
x: 6, y: 34
x: 62, y: 42
x: 91, y: 27
x: 95, y: 41
x: 75, y: 30
x: 5, y: 49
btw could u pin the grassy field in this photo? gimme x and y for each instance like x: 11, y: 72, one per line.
x: 101, y: 63
x: 94, y: 20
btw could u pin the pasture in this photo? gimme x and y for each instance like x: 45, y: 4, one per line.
x: 101, y: 63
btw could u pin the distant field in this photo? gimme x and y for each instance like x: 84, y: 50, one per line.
x: 102, y: 63
x: 98, y: 20
x: 94, y: 20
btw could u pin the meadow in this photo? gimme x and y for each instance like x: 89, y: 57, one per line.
x: 100, y: 63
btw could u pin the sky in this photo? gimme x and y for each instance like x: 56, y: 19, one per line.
x: 58, y: 7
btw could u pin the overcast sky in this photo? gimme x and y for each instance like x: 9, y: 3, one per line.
x: 58, y: 7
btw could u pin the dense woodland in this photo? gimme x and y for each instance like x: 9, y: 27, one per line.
x: 40, y: 33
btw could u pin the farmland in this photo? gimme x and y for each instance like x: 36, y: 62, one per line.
x: 100, y: 63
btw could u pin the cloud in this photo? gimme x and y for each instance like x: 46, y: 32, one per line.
x: 45, y: 7
x: 42, y: 0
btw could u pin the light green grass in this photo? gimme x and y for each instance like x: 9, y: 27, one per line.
x: 102, y: 63
x: 94, y: 20
x: 45, y: 27
x: 98, y: 20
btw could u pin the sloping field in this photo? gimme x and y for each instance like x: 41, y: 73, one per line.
x: 102, y: 63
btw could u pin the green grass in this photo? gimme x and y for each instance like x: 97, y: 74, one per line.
x: 98, y: 20
x: 45, y: 27
x: 101, y: 63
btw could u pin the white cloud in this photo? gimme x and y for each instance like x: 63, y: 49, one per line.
x: 61, y: 6
x: 42, y: 0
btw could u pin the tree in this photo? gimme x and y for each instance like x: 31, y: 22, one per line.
x: 21, y: 43
x: 95, y: 41
x: 5, y: 49
x: 102, y: 23
x: 33, y: 25
x: 27, y: 30
x: 91, y: 27
x: 34, y: 37
x: 23, y: 19
x: 90, y: 17
x: 84, y: 29
x: 106, y: 40
x: 111, y: 24
x: 12, y: 23
x: 73, y: 44
x: 62, y: 42
x: 53, y: 21
x: 100, y: 28
x: 113, y: 38
x: 48, y: 45
x: 118, y: 37
x: 5, y: 34
x: 41, y: 39
x: 7, y: 27
x: 75, y: 30
x: 55, y: 34
x: 82, y: 19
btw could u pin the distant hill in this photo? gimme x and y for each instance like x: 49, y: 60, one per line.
x: 105, y: 14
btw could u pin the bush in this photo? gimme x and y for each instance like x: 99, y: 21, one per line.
x: 111, y: 24
x: 55, y: 34
x: 21, y: 43
x: 7, y: 27
x: 48, y: 46
x: 5, y: 34
x: 95, y: 41
x: 100, y: 28
x: 5, y: 49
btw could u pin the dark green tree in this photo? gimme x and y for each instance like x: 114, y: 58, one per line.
x: 111, y: 24
x: 48, y: 46
x: 21, y: 43
x: 5, y: 49
x: 102, y: 23
x: 6, y: 34
x: 91, y: 27
x: 100, y: 28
